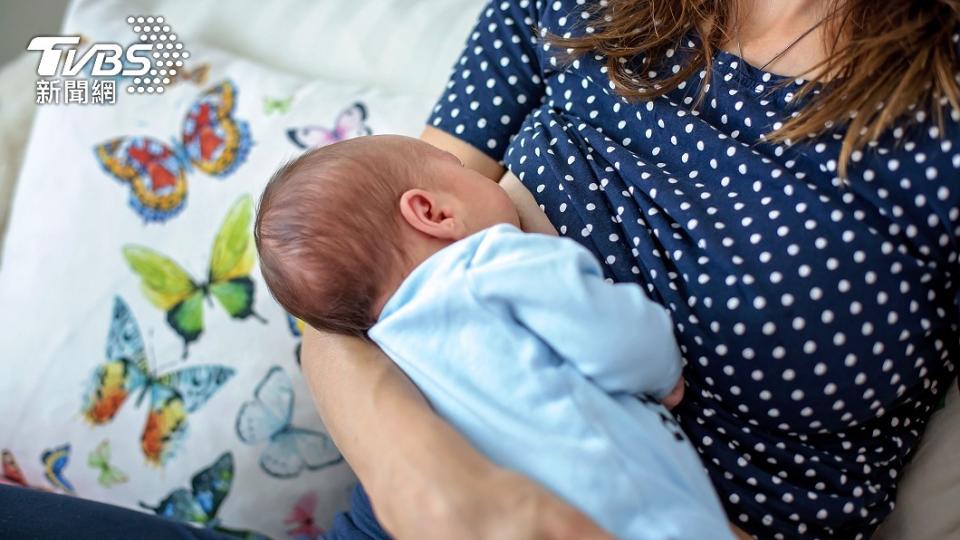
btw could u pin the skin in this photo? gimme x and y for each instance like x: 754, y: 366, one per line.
x: 768, y: 27
x: 458, y: 203
x: 424, y: 479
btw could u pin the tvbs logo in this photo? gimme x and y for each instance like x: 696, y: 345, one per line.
x: 145, y: 66
x: 109, y: 59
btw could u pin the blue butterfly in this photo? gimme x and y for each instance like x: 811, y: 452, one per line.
x: 296, y: 328
x: 267, y: 418
x: 201, y: 503
x: 54, y: 462
x: 173, y: 395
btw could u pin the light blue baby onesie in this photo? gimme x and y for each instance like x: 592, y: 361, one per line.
x: 519, y: 343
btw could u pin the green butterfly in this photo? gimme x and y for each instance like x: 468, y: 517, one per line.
x: 168, y: 287
x: 99, y: 459
x: 276, y: 105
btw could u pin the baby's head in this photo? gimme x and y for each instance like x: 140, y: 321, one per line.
x: 340, y: 227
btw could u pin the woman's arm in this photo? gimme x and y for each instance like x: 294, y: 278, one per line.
x: 470, y: 156
x: 424, y: 479
x: 532, y: 217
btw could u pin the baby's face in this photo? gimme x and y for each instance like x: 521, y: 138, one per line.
x: 483, y: 202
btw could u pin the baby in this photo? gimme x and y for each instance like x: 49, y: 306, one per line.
x: 514, y: 338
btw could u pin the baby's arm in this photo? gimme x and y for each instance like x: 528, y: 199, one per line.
x: 612, y: 333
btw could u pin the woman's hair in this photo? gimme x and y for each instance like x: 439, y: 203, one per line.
x: 886, y: 60
x: 327, y: 230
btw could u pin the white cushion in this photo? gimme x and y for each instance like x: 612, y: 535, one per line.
x: 927, y: 497
x: 16, y: 114
x: 405, y: 46
x: 63, y: 266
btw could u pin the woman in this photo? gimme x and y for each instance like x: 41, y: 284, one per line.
x: 781, y: 178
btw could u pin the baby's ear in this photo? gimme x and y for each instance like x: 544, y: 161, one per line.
x: 431, y: 213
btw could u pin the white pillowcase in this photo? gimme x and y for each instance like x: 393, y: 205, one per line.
x: 63, y: 265
x: 928, y: 493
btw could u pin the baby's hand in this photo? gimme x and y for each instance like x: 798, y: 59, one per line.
x: 675, y: 396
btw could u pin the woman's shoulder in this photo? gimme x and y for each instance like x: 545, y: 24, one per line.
x: 920, y: 141
x: 554, y: 16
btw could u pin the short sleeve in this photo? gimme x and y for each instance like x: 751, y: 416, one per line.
x: 496, y: 81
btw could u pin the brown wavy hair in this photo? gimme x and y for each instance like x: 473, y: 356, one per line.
x: 886, y: 61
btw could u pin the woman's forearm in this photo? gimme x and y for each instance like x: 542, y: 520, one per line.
x: 401, y: 450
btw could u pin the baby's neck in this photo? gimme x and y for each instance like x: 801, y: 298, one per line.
x: 415, y: 248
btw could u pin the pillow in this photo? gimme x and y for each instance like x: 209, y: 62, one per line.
x: 146, y: 364
x: 400, y: 46
x: 16, y: 113
x: 928, y: 494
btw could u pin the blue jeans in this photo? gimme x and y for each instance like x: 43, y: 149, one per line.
x: 29, y: 513
x: 358, y: 523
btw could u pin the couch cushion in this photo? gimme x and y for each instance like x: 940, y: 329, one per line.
x: 928, y: 493
x: 142, y: 370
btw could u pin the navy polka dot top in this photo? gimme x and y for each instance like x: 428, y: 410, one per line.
x: 817, y: 318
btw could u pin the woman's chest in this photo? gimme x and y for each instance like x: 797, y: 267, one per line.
x: 705, y: 163
x: 773, y: 268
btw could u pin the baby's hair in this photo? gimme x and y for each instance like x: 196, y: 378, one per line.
x: 327, y: 229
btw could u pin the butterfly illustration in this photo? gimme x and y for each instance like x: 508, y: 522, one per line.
x: 172, y: 395
x: 197, y: 75
x: 211, y: 140
x: 276, y: 105
x: 296, y: 328
x: 350, y: 123
x: 99, y: 459
x: 12, y: 473
x: 267, y: 418
x: 171, y: 289
x: 301, y: 519
x: 54, y: 462
x: 199, y: 504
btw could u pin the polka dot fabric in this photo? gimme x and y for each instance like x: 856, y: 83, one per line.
x: 817, y: 319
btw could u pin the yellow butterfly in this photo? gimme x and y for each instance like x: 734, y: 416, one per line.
x: 170, y: 288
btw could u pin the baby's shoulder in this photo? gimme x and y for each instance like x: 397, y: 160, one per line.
x: 505, y: 243
x: 505, y: 253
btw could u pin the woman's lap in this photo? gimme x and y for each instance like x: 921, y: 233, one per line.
x: 28, y: 513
